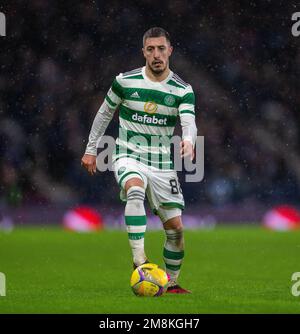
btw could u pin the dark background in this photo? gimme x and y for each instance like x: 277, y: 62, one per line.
x: 58, y: 61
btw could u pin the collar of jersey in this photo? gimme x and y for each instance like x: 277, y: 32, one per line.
x: 155, y: 83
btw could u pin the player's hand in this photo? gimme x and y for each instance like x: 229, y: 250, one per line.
x: 88, y: 161
x: 186, y: 149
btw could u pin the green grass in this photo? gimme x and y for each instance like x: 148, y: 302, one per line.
x: 229, y: 270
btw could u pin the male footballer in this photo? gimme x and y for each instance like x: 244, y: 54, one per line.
x: 149, y: 100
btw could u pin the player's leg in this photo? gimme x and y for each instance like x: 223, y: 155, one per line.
x: 166, y: 200
x: 173, y: 252
x: 133, y: 183
x: 135, y: 218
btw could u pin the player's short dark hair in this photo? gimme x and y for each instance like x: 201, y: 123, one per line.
x: 156, y: 32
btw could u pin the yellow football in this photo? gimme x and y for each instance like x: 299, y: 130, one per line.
x: 149, y: 280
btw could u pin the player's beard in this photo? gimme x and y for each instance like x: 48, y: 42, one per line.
x: 159, y: 70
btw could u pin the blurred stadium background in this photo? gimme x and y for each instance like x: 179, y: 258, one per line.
x: 59, y: 59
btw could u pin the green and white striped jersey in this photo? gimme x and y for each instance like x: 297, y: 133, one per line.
x: 148, y: 112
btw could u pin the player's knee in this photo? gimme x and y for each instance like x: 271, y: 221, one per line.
x: 177, y: 229
x: 172, y: 219
x: 134, y: 182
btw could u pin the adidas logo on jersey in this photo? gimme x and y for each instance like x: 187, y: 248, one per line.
x: 149, y: 119
x: 135, y: 95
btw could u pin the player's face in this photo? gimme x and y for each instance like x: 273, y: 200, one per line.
x: 157, y: 51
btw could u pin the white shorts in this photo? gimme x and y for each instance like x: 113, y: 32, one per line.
x: 162, y: 186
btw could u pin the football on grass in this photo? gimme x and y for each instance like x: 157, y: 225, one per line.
x: 148, y: 280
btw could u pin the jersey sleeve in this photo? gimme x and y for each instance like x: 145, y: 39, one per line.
x: 100, y: 123
x: 187, y: 104
x: 115, y: 94
x: 189, y: 128
x: 187, y: 116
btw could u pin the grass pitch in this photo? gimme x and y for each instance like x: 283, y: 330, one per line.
x: 229, y: 270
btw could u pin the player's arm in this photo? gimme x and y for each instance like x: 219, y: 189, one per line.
x: 100, y: 124
x: 188, y: 125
